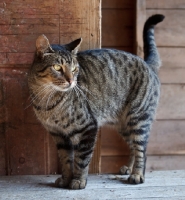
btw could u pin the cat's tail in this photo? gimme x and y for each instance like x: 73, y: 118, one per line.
x: 151, y: 55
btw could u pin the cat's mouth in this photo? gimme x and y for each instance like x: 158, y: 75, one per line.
x: 65, y: 86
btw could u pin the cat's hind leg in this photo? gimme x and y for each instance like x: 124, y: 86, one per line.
x: 139, y: 137
x: 136, y: 136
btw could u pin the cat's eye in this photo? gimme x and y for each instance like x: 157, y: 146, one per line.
x: 73, y: 68
x: 57, y: 67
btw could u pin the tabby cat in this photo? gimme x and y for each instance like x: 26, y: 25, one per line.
x: 74, y: 94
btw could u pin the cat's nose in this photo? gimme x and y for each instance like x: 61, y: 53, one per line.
x: 71, y: 81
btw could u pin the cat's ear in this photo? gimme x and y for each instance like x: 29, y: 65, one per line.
x: 74, y: 46
x: 43, y: 46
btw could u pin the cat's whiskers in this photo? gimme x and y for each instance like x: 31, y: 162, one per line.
x: 39, y: 89
x: 32, y: 99
x: 50, y: 95
x: 37, y: 94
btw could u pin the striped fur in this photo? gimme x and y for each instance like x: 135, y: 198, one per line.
x: 74, y: 94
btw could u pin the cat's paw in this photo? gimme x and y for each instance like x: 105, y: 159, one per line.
x: 136, y: 179
x: 78, y: 184
x: 60, y: 182
x: 124, y: 170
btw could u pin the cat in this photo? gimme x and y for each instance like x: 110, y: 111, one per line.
x: 75, y: 93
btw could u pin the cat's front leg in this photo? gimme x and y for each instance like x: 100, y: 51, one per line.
x: 66, y: 159
x: 65, y: 152
x: 82, y: 158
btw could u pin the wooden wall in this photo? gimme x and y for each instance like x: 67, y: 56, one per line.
x: 25, y: 147
x: 166, y: 149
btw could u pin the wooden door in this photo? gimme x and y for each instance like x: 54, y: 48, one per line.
x: 25, y: 147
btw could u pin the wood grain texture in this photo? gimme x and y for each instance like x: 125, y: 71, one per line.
x: 117, y: 4
x: 83, y: 19
x: 29, y: 149
x: 172, y: 75
x: 117, y: 28
x: 165, y: 4
x: 171, y: 104
x: 114, y: 163
x: 140, y: 20
x: 169, y: 33
x: 166, y: 138
x: 164, y: 185
x: 172, y: 57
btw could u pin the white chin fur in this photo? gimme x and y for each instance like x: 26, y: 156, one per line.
x: 58, y: 88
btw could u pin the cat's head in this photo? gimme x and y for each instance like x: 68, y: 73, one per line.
x: 55, y: 65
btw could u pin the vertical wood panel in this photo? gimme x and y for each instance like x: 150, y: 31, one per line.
x: 29, y: 149
x: 140, y: 20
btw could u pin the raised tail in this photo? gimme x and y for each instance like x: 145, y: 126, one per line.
x: 151, y: 55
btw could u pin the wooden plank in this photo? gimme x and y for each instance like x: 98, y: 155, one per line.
x: 167, y: 32
x: 117, y: 4
x: 3, y: 58
x: 112, y: 143
x: 95, y: 165
x: 28, y: 7
x: 165, y: 4
x: 167, y: 53
x: 166, y: 138
x: 171, y: 104
x: 23, y: 43
x: 51, y: 27
x: 165, y: 162
x: 158, y: 185
x: 87, y: 22
x: 19, y: 58
x: 3, y: 170
x: 116, y: 26
x: 172, y: 75
x: 140, y: 20
x: 127, y: 49
x: 112, y: 164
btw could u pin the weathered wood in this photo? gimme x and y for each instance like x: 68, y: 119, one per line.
x: 166, y: 138
x: 140, y: 20
x: 159, y: 185
x: 30, y: 150
x: 23, y: 43
x: 28, y: 7
x: 170, y: 33
x: 2, y: 131
x: 117, y: 4
x: 95, y: 165
x: 112, y: 143
x: 173, y: 162
x: 172, y: 75
x: 172, y: 57
x: 166, y: 4
x: 171, y: 104
x: 116, y: 26
x: 74, y: 22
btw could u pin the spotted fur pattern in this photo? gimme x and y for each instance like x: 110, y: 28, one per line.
x: 74, y: 94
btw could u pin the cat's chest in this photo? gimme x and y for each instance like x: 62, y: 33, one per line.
x: 61, y: 120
